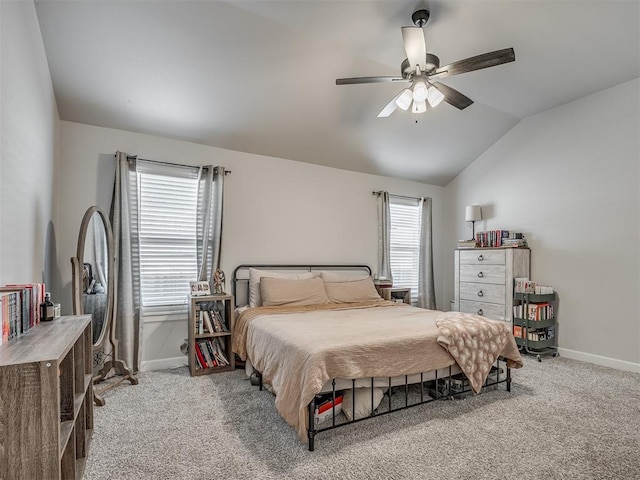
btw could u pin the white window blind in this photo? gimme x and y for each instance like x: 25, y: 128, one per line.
x: 405, y: 244
x: 167, y: 234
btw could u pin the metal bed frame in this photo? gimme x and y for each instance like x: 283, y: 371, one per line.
x: 437, y: 388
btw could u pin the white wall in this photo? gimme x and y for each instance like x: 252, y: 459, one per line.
x: 569, y: 179
x: 276, y: 211
x: 28, y: 139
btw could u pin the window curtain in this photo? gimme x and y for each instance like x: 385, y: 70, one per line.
x: 209, y: 221
x: 124, y: 221
x: 100, y: 253
x: 384, y: 237
x: 426, y: 285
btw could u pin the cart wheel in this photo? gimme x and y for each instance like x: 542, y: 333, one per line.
x: 556, y: 354
x: 539, y: 358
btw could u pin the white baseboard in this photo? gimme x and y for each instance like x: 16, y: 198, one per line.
x: 599, y: 360
x: 163, y: 363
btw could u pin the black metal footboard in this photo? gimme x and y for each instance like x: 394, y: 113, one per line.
x: 425, y: 391
x: 449, y: 386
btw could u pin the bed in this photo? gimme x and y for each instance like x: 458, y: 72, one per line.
x: 314, y: 329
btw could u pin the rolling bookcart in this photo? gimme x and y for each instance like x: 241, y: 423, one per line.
x: 534, y: 324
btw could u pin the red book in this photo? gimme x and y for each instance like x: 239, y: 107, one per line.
x: 327, y: 405
x: 203, y: 362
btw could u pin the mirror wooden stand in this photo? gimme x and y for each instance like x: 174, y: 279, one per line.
x: 94, y: 291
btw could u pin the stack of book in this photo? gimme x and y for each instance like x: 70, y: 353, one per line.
x: 210, y: 321
x: 535, y: 335
x: 500, y: 238
x: 524, y: 285
x: 19, y: 309
x: 327, y: 407
x: 210, y: 353
x: 466, y: 244
x: 536, y: 311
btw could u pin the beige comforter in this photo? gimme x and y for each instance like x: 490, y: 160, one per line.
x: 297, y: 353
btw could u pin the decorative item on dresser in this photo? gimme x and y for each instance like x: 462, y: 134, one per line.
x: 46, y: 414
x: 210, y: 334
x: 484, y: 280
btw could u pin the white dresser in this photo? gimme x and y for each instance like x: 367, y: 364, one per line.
x: 484, y: 280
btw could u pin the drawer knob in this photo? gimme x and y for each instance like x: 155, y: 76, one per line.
x: 480, y: 258
x: 480, y: 311
x: 481, y: 293
x: 480, y: 274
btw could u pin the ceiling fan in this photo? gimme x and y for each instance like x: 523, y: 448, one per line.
x: 421, y: 68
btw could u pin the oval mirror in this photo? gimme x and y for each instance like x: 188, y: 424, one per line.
x: 93, y: 268
x: 94, y: 287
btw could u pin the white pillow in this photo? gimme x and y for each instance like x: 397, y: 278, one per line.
x: 255, y: 298
x: 333, y: 277
x: 363, y: 402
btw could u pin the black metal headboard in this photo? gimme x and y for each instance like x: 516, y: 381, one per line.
x: 241, y: 276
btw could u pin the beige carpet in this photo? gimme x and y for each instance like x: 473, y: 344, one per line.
x: 563, y: 420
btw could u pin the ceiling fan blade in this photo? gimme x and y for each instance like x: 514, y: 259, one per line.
x: 356, y: 80
x: 453, y: 96
x: 390, y: 107
x: 415, y: 46
x: 478, y: 62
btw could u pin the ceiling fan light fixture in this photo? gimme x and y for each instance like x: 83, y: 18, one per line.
x: 404, y: 99
x: 419, y: 107
x: 420, y: 91
x: 434, y: 96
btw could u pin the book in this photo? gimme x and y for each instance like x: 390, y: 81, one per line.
x: 327, y: 409
x: 219, y: 321
x: 466, y: 243
x: 207, y: 321
x: 199, y: 356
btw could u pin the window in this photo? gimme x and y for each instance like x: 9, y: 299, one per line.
x: 405, y: 244
x: 167, y: 198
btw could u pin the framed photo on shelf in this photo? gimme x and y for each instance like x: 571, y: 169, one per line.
x: 200, y: 288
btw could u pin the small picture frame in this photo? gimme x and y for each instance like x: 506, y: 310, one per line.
x: 200, y: 288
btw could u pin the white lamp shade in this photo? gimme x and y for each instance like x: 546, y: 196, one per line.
x: 404, y: 99
x: 434, y: 96
x: 473, y: 213
x: 419, y: 107
x: 419, y: 92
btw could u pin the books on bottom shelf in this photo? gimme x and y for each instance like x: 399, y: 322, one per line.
x: 327, y: 407
x: 534, y: 335
x: 209, y: 353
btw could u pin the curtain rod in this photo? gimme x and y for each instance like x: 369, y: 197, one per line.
x: 130, y: 157
x: 380, y: 192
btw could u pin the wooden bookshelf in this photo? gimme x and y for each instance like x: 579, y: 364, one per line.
x: 224, y: 304
x: 46, y: 407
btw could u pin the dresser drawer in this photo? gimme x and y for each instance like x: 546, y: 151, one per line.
x: 483, y: 273
x: 489, y: 310
x: 482, y: 257
x: 482, y: 292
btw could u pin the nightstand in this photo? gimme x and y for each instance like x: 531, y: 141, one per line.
x: 396, y: 294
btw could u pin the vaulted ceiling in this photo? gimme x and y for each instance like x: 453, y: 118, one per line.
x: 259, y: 76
